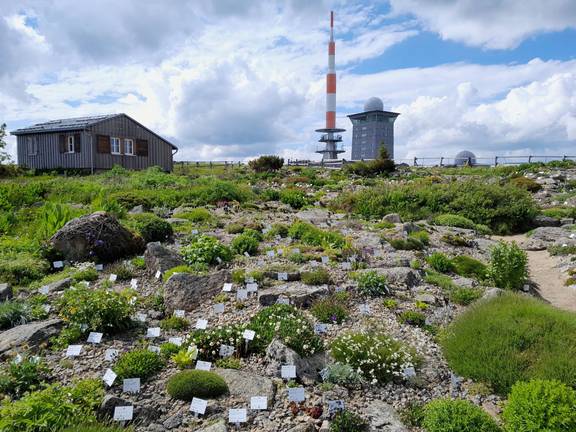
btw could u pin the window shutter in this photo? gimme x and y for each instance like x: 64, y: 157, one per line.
x: 77, y: 140
x: 142, y: 147
x: 103, y: 144
x: 62, y: 143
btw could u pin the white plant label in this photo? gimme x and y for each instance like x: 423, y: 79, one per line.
x: 335, y: 406
x: 226, y: 350
x: 339, y: 289
x: 44, y: 290
x: 242, y: 294
x: 73, y: 350
x: 219, y: 308
x: 258, y: 403
x: 237, y: 415
x: 94, y: 337
x: 194, y: 231
x: 365, y: 309
x: 320, y: 328
x: 325, y: 260
x: 314, y: 263
x: 131, y: 385
x: 346, y: 266
x: 283, y: 276
x: 179, y: 313
x: 47, y: 308
x: 198, y: 406
x: 249, y: 279
x: 296, y: 394
x: 252, y: 287
x: 296, y: 250
x: 219, y: 260
x: 153, y: 332
x: 203, y: 365
x: 270, y: 254
x: 141, y: 316
x: 409, y: 372
x: 109, y: 377
x: 280, y: 251
x: 249, y: 334
x: 113, y: 277
x: 158, y: 274
x: 227, y: 287
x: 201, y: 324
x: 58, y: 264
x: 175, y: 340
x: 134, y: 283
x: 283, y: 300
x: 123, y: 413
x: 154, y: 349
x: 288, y: 371
x: 246, y: 254
x: 99, y: 267
x: 111, y: 354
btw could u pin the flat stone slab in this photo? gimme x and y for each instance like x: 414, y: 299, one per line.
x: 188, y: 291
x: 32, y: 335
x: 300, y: 295
x: 246, y: 384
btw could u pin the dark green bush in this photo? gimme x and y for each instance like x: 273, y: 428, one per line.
x: 295, y: 198
x: 330, y: 310
x: 508, y: 267
x: 512, y: 338
x: 372, y: 284
x: 347, y: 421
x: 188, y: 384
x: 440, y: 262
x: 445, y: 415
x: 248, y: 242
x: 526, y: 184
x: 464, y: 296
x: 467, y: 266
x: 266, y: 163
x: 270, y: 195
x: 150, y: 227
x: 122, y: 271
x: 409, y: 243
x: 139, y: 363
x: 88, y: 274
x: 540, y: 405
x: 370, y: 168
x: 196, y: 215
x: 319, y: 276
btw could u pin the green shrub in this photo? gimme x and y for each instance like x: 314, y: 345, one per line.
x: 88, y: 274
x: 287, y: 324
x: 508, y: 267
x: 413, y: 414
x: 319, y: 276
x: 512, y: 338
x: 13, y: 313
x: 540, y: 405
x: 122, y: 271
x: 174, y: 323
x: 422, y: 236
x: 562, y: 250
x: 454, y: 220
x: 99, y: 309
x: 150, y: 227
x: 229, y: 363
x: 294, y: 198
x: 370, y: 168
x: 270, y: 195
x: 247, y: 242
x: 441, y: 280
x: 53, y: 408
x: 205, y: 250
x: 196, y: 215
x: 186, y: 385
x: 168, y: 349
x: 330, y: 310
x: 98, y: 428
x: 440, y: 262
x: 409, y: 243
x: 560, y: 212
x: 414, y: 318
x: 390, y: 303
x: 526, y: 184
x: 22, y: 268
x: 278, y: 229
x: 347, y: 421
x: 464, y: 296
x: 467, y: 266
x: 138, y: 263
x: 30, y: 374
x: 266, y: 163
x: 52, y: 217
x: 139, y: 363
x: 372, y: 284
x: 444, y: 415
x: 377, y: 356
x: 308, y: 234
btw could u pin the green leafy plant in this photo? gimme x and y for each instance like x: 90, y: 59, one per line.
x: 310, y: 235
x: 139, y: 363
x: 379, y: 358
x: 196, y: 268
x: 469, y: 267
x: 413, y: 414
x: 372, y: 284
x: 319, y: 276
x: 168, y: 349
x: 30, y: 374
x: 347, y: 421
x: 440, y: 262
x: 464, y: 296
x: 540, y: 405
x: 508, y: 267
x: 53, y: 216
x: 444, y: 415
x: 390, y: 303
x: 186, y: 385
x: 150, y: 227
x: 409, y: 243
x: 205, y: 249
x: 87, y: 274
x: 14, y: 312
x: 229, y: 363
x: 138, y: 263
x: 414, y: 318
x: 247, y: 242
x: 295, y: 198
x: 185, y: 358
x: 196, y: 215
x: 342, y: 374
x: 122, y: 271
x: 174, y: 323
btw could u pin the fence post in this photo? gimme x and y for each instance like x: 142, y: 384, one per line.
x: 495, y: 161
x: 442, y: 161
x: 564, y: 158
x: 415, y: 161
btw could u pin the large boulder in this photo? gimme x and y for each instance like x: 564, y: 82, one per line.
x: 550, y: 234
x: 160, y: 258
x: 300, y: 295
x: 187, y: 291
x: 546, y: 221
x: 31, y: 335
x: 247, y: 384
x: 97, y: 235
x: 307, y: 368
x: 400, y: 277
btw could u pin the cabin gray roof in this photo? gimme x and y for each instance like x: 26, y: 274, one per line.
x: 63, y: 124
x: 77, y: 123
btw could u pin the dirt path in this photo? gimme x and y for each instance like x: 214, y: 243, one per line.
x: 548, y: 279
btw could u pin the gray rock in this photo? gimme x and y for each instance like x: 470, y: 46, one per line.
x: 187, y: 291
x: 411, y: 227
x: 533, y: 245
x: 491, y: 293
x: 173, y: 421
x: 60, y: 285
x: 392, y: 218
x: 464, y: 282
x: 219, y: 426
x: 6, y: 292
x: 139, y: 209
x: 300, y: 295
x: 246, y: 384
x: 383, y: 417
x: 425, y: 298
x: 400, y: 276
x: 566, y: 221
x: 546, y: 221
x: 314, y: 216
x: 158, y: 257
x: 304, y: 427
x: 97, y: 235
x: 549, y: 234
x: 307, y: 368
x: 32, y: 335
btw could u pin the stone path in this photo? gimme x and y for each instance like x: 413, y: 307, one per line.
x: 548, y: 278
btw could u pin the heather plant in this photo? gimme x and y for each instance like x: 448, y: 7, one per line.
x: 139, y: 363
x: 379, y: 358
x: 508, y: 267
x: 372, y: 284
x: 445, y: 415
x: 205, y: 250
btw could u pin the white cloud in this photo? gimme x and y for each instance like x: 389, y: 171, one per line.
x: 495, y: 24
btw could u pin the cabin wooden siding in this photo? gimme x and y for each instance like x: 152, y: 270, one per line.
x: 49, y: 156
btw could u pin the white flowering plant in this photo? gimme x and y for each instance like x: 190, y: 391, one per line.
x: 376, y: 356
x: 208, y: 342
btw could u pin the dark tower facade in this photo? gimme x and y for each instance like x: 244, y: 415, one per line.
x: 371, y: 129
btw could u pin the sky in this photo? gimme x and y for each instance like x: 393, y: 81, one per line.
x: 234, y: 79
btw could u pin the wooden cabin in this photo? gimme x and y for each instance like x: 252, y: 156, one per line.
x: 94, y: 144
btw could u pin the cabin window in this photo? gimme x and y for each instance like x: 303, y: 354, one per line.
x: 32, y: 146
x: 70, y: 144
x: 115, y: 145
x: 129, y: 146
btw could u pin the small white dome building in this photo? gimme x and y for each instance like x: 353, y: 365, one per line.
x: 464, y: 158
x: 374, y: 104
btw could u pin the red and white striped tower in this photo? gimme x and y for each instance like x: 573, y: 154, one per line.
x: 331, y: 135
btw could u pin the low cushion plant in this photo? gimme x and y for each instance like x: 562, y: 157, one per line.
x: 512, y: 338
x: 440, y: 262
x: 444, y: 415
x: 140, y: 363
x: 188, y: 384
